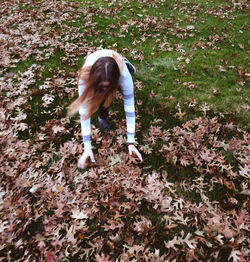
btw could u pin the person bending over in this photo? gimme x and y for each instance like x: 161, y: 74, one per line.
x: 99, y: 78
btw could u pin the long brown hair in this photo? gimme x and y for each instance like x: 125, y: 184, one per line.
x: 101, y: 81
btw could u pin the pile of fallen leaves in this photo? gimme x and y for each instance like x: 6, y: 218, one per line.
x: 117, y: 209
x: 50, y: 210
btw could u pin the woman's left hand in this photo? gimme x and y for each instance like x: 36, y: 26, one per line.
x: 133, y: 150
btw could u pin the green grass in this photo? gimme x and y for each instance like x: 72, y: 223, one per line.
x: 216, y: 41
x: 203, y: 68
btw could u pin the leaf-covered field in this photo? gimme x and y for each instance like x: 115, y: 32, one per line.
x: 189, y: 199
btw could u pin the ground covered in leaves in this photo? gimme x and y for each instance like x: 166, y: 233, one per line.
x: 188, y: 200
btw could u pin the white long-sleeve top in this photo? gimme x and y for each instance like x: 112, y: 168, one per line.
x: 127, y: 86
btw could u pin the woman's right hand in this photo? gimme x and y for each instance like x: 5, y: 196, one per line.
x: 133, y: 150
x: 82, y: 162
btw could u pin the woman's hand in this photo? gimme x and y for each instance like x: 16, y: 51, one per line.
x: 88, y: 153
x: 133, y: 150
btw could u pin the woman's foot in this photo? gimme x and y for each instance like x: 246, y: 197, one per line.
x: 104, y: 124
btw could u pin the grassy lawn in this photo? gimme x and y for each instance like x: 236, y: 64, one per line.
x: 188, y: 200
